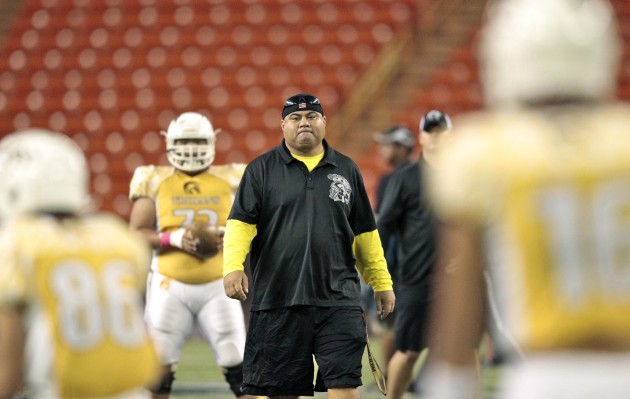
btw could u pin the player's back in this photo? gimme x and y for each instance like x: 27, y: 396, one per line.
x: 554, y: 191
x: 80, y: 282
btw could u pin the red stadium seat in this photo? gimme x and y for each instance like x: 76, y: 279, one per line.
x: 129, y: 67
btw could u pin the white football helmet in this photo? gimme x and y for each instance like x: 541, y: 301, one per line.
x: 41, y: 170
x: 190, y: 157
x: 536, y: 50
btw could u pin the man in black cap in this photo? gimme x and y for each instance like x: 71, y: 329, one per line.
x: 303, y: 214
x: 405, y: 214
x: 395, y: 146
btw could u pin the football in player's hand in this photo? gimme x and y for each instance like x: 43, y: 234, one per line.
x: 206, y: 238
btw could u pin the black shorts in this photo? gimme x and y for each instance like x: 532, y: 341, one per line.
x: 281, y: 344
x: 412, y: 318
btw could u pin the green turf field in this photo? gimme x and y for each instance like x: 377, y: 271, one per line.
x: 199, y: 377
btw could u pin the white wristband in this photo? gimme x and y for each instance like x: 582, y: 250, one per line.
x: 177, y: 237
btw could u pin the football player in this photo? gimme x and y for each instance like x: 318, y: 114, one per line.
x: 71, y: 322
x: 537, y: 186
x: 185, y: 287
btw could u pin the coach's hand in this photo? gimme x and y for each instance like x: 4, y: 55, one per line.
x: 385, y: 301
x: 236, y: 285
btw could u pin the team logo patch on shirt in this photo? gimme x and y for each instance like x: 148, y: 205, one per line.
x: 339, y: 189
x: 191, y: 188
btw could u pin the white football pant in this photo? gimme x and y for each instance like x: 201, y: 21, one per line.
x: 173, y: 308
x: 569, y: 375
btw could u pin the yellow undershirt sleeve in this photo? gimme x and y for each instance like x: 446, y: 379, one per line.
x: 236, y: 243
x: 371, y: 261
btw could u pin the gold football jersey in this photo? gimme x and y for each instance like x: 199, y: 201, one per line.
x: 80, y: 282
x: 552, y: 191
x: 180, y: 200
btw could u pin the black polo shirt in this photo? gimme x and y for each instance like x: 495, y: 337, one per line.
x: 306, y: 223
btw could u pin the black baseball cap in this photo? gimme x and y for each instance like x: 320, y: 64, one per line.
x: 396, y: 135
x: 435, y: 120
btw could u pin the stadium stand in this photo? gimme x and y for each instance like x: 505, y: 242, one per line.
x: 113, y: 73
x: 442, y: 72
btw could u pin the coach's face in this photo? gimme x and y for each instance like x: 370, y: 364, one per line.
x: 304, y: 132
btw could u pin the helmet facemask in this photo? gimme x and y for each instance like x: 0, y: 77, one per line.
x: 187, y: 156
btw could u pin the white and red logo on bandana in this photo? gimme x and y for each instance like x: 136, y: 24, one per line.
x: 302, y: 105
